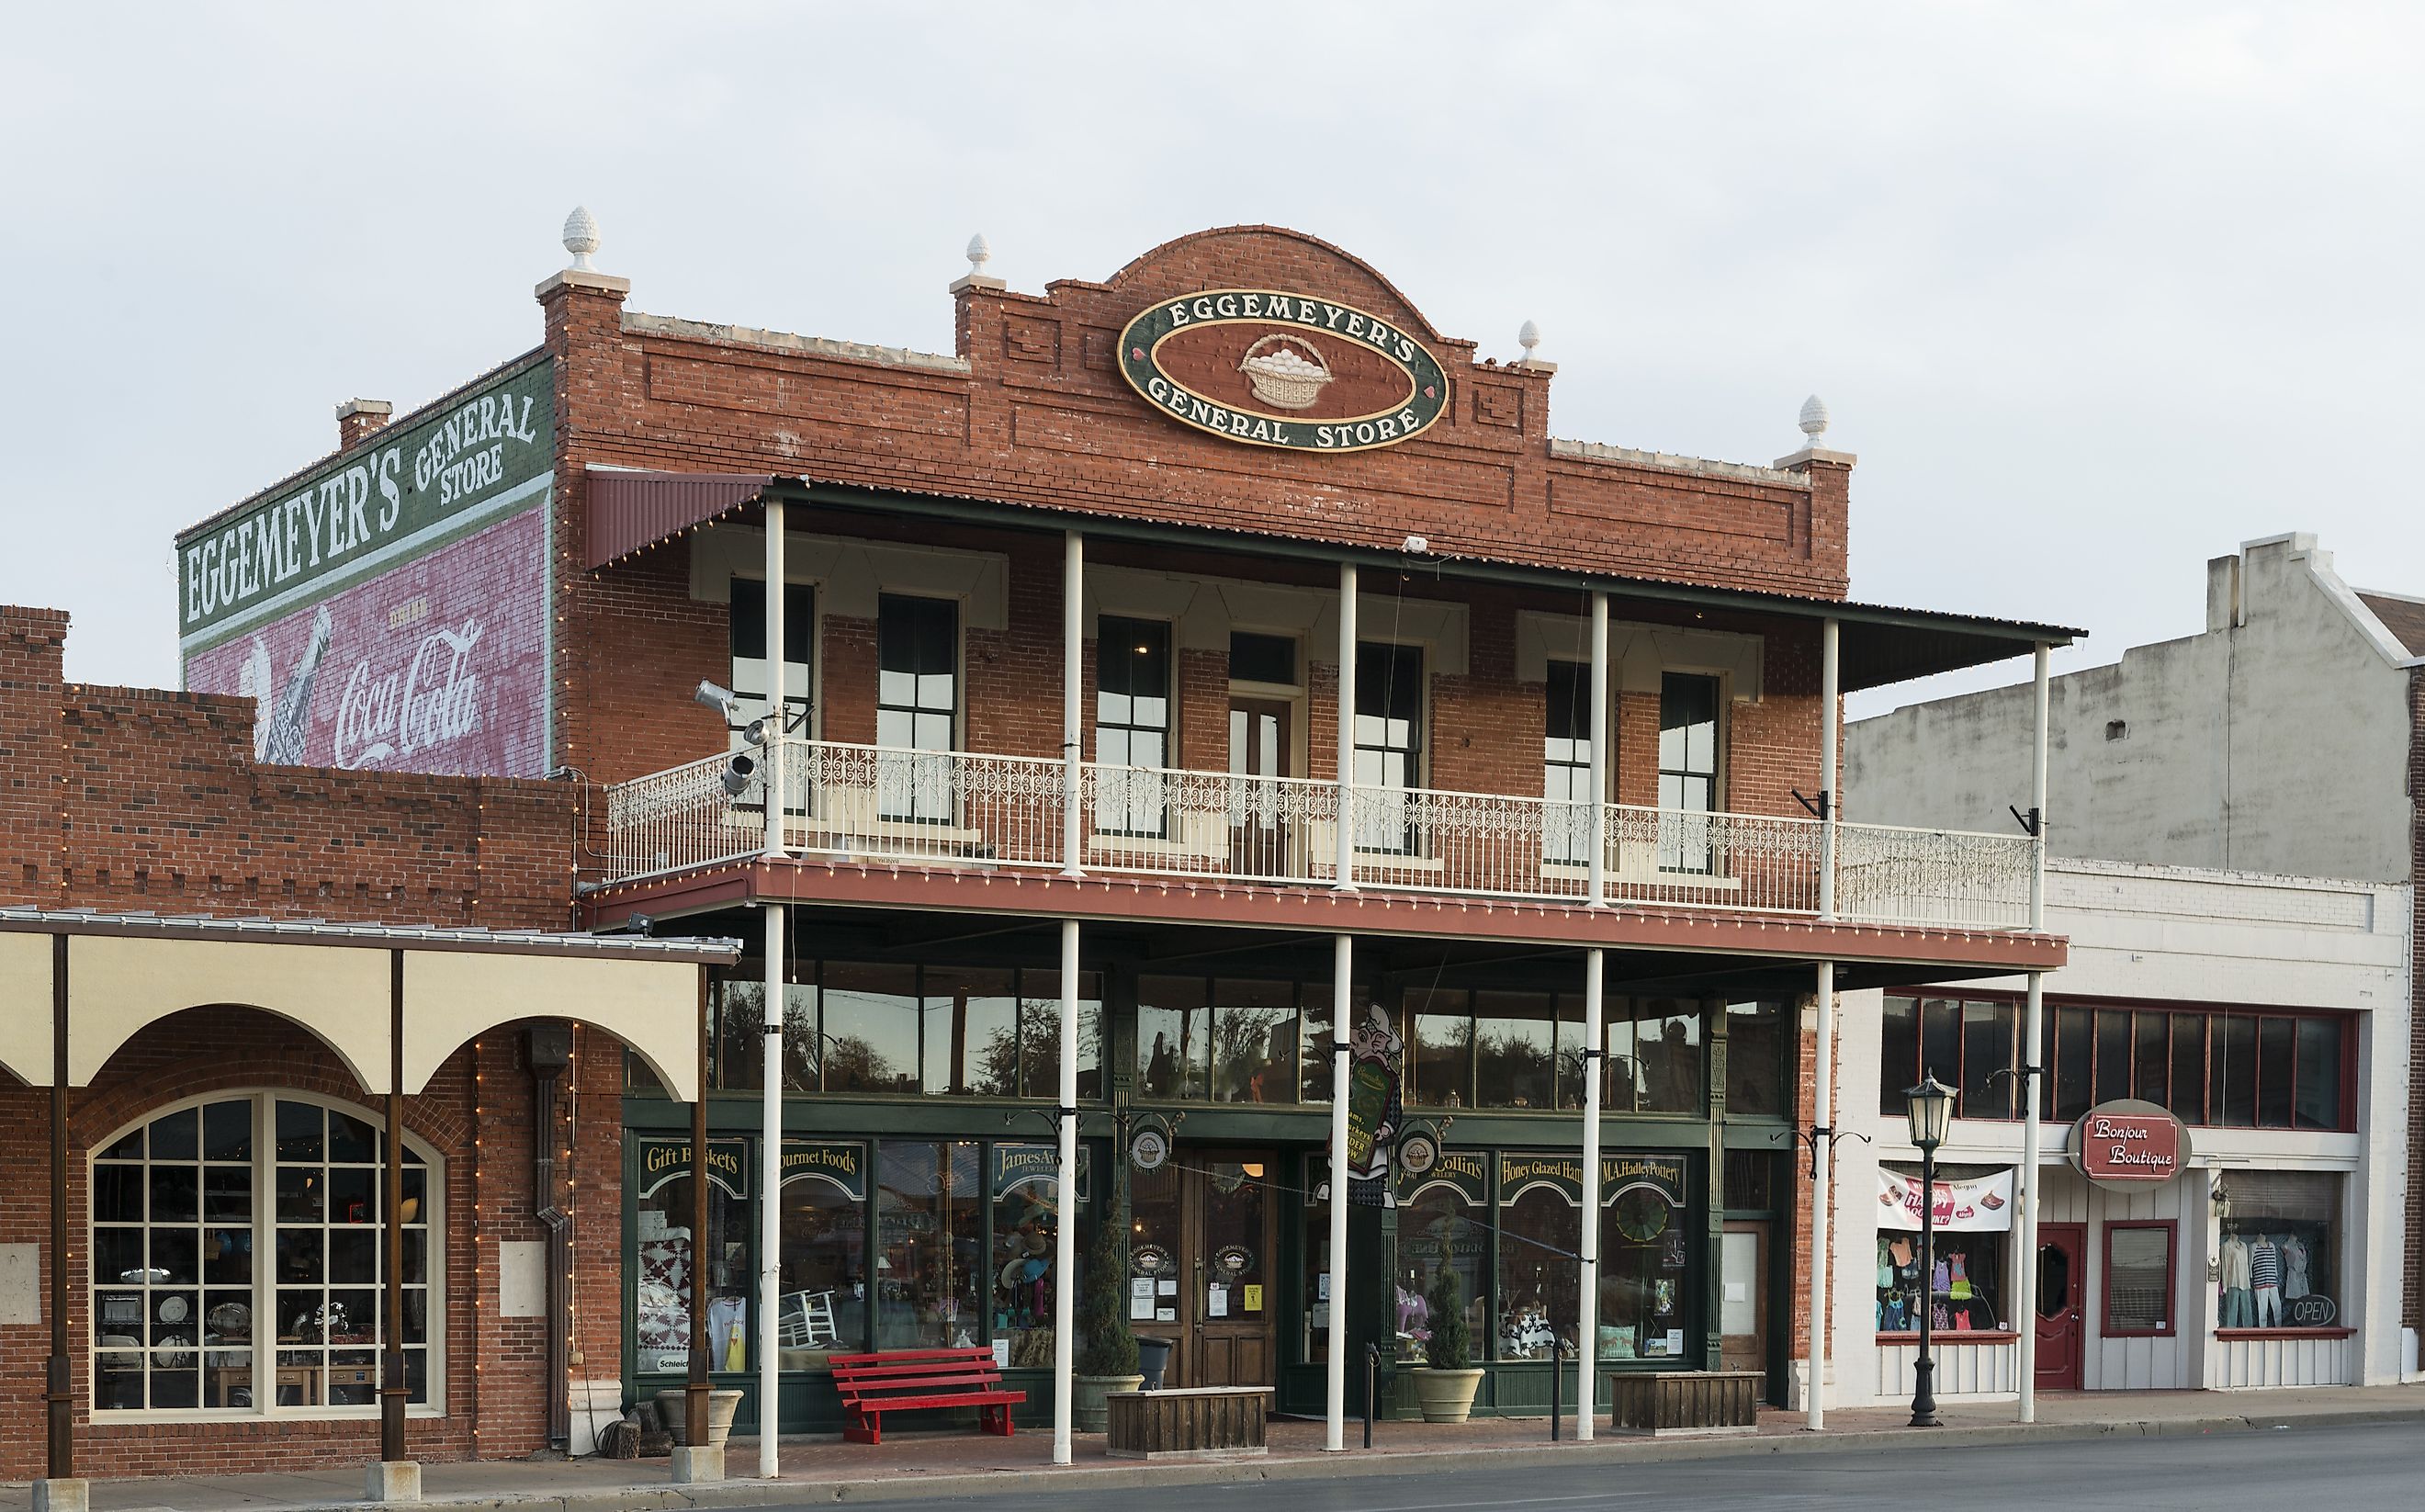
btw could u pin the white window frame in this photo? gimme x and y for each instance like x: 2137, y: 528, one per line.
x: 263, y: 1285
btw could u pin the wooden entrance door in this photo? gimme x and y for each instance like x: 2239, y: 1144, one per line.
x: 2062, y: 1285
x: 1743, y: 1297
x: 1205, y: 1227
x: 1260, y: 750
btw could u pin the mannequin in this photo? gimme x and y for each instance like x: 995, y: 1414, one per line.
x: 2265, y: 1281
x: 2294, y: 1268
x: 2237, y: 1312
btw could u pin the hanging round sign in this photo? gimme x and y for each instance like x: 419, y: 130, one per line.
x: 1418, y: 1152
x: 1149, y: 1148
x: 1274, y: 369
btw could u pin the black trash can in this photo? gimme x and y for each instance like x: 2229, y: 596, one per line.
x: 1153, y: 1359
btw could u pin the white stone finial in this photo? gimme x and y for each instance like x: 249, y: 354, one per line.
x: 581, y: 237
x: 1814, y: 419
x: 980, y: 254
x: 1528, y: 338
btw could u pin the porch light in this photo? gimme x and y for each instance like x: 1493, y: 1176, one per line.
x: 1931, y: 1107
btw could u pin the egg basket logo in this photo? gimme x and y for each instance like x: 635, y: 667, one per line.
x: 1275, y: 369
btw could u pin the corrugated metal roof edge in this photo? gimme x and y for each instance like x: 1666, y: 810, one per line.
x: 1800, y: 603
x: 22, y: 919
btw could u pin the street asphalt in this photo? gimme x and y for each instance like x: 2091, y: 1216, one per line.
x: 2362, y: 1469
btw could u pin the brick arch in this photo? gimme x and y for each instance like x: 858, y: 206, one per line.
x: 1275, y: 255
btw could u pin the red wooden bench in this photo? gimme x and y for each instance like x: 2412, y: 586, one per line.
x: 901, y: 1380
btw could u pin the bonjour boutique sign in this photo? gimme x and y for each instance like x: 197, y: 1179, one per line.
x: 1271, y: 368
x: 2129, y: 1143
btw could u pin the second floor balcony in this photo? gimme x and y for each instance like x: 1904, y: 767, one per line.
x: 863, y: 803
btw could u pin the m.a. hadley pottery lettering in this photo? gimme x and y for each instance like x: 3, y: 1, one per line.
x: 2129, y: 1143
x: 470, y: 460
x: 1271, y: 368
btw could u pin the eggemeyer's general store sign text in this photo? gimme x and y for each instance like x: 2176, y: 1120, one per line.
x: 1272, y: 368
x: 472, y: 462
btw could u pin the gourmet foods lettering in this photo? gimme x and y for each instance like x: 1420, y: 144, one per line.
x: 1271, y: 368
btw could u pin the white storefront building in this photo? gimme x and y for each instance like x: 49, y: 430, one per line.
x: 2270, y: 1016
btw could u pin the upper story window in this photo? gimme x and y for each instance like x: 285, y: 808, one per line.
x: 2229, y: 1069
x: 1389, y: 744
x: 1689, y: 706
x: 917, y: 706
x: 1132, y: 706
x: 237, y: 1259
x: 750, y: 682
x: 1565, y: 765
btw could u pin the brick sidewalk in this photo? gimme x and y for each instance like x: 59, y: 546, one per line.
x: 969, y: 1463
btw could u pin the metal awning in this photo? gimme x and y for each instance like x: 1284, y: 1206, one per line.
x: 126, y: 972
x: 630, y: 511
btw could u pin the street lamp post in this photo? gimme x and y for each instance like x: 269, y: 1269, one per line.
x: 1931, y: 1107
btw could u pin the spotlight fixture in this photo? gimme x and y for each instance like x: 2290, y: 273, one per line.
x: 710, y: 695
x: 737, y: 773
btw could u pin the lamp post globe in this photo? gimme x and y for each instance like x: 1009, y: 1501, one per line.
x: 1931, y: 1107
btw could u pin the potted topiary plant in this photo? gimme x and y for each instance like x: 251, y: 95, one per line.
x: 1107, y: 1351
x: 1445, y: 1383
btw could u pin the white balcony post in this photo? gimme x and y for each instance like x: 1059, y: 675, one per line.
x: 773, y: 752
x: 2026, y: 1300
x: 1587, y: 1311
x: 770, y: 1183
x: 1831, y: 702
x: 1598, y: 896
x: 1345, y: 881
x: 1073, y: 646
x: 1822, y: 1150
x: 1343, y: 965
x: 1064, y: 1220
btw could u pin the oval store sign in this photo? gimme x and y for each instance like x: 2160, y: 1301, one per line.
x: 2128, y: 1144
x: 1273, y: 369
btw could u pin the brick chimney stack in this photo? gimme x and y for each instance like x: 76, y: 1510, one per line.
x: 357, y: 418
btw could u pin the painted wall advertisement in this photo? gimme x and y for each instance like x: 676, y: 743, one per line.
x: 390, y: 611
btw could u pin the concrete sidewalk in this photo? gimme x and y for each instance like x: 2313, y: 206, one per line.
x: 969, y: 1464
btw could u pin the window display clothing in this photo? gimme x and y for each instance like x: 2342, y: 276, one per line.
x: 2294, y: 1268
x: 2265, y: 1281
x: 2239, y: 1310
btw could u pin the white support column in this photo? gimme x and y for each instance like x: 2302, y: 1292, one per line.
x: 770, y: 1186
x: 776, y: 680
x: 1587, y: 1311
x: 1064, y: 1210
x: 1597, y: 896
x: 1346, y: 879
x: 1073, y: 646
x: 1831, y: 706
x: 1823, y: 1149
x: 2025, y: 1302
x: 1342, y: 966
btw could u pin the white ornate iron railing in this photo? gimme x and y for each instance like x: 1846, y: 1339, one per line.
x: 965, y: 809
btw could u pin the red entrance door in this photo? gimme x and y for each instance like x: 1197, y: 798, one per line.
x: 2063, y: 1281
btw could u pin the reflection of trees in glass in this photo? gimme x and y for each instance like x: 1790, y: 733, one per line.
x: 853, y: 1064
x: 739, y: 1047
x: 993, y: 1066
x: 1039, y: 1042
x: 1515, y: 1067
x: 1250, y: 1055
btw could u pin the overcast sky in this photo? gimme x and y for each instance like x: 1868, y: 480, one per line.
x: 2095, y: 290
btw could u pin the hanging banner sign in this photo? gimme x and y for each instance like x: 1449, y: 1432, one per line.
x: 1272, y: 368
x: 1029, y: 1167
x: 839, y: 1165
x: 2129, y: 1144
x: 1982, y: 1206
x: 1375, y: 1111
x: 1661, y: 1174
x: 666, y: 1160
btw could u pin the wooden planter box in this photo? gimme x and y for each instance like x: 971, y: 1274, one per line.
x: 1673, y: 1403
x: 1203, y: 1423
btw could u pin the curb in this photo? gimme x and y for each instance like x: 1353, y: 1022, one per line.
x: 660, y: 1497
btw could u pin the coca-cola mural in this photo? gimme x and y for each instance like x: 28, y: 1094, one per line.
x: 437, y: 665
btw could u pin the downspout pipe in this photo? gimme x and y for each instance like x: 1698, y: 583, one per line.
x: 549, y: 1050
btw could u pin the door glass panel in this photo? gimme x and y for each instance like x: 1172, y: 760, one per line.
x: 2054, y: 1280
x: 1156, y: 1247
x: 1233, y: 1263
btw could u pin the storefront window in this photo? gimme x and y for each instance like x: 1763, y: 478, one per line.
x: 2281, y: 1255
x: 1174, y: 1037
x: 1026, y: 1221
x: 1644, y: 1274
x: 667, y: 1249
x: 1539, y: 1229
x: 183, y: 1316
x: 823, y: 1307
x: 1964, y: 1289
x: 1755, y: 1041
x: 1254, y: 1042
x: 871, y: 1027
x: 1040, y: 1034
x: 1515, y: 1048
x: 737, y: 1053
x: 1443, y: 1223
x: 2138, y: 1278
x: 970, y: 1033
x: 1654, y: 1056
x: 1440, y: 1047
x: 929, y: 1245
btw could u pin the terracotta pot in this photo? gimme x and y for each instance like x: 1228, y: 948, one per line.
x: 1088, y: 1413
x: 1446, y: 1395
x: 722, y: 1405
